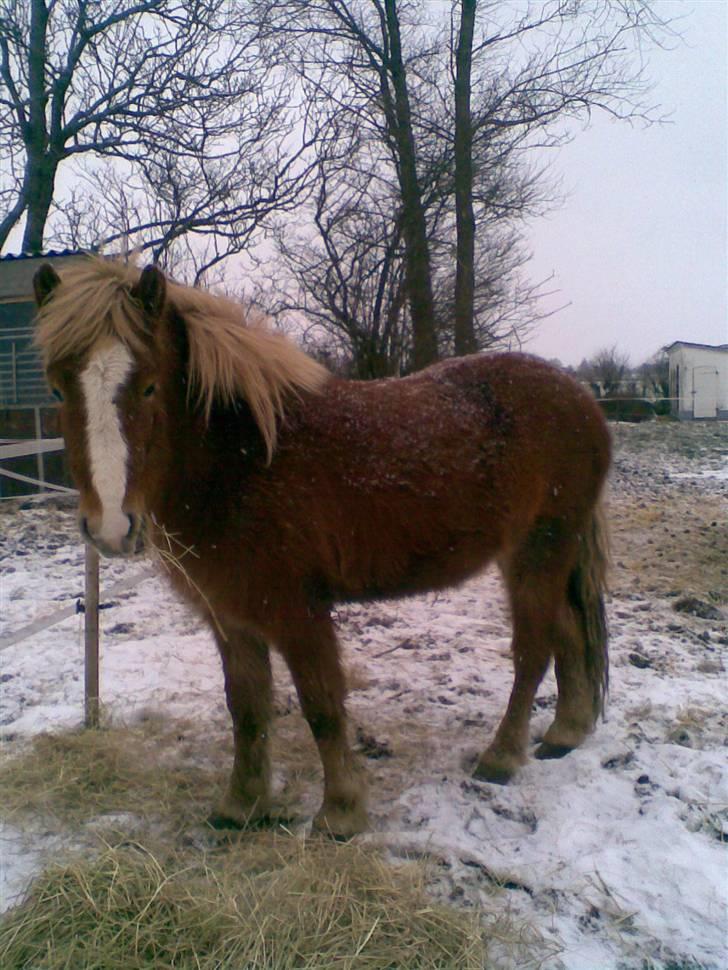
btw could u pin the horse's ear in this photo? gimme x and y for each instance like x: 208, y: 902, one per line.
x: 44, y: 282
x: 150, y: 291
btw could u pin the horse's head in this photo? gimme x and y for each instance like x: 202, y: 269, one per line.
x: 111, y: 394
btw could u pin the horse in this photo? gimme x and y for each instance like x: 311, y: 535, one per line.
x: 190, y: 423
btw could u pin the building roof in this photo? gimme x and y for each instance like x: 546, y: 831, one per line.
x: 723, y: 348
x: 17, y: 271
x: 48, y: 254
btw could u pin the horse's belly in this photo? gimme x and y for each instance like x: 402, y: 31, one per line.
x: 402, y: 571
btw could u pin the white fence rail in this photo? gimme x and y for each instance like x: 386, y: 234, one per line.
x: 38, y: 447
x: 21, y: 449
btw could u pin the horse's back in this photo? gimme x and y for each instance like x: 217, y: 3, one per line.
x: 540, y: 408
x: 543, y: 439
x: 414, y: 483
x: 497, y: 418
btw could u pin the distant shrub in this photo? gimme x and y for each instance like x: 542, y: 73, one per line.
x: 627, y: 409
x: 662, y: 408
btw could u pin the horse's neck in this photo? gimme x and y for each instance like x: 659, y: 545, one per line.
x: 205, y: 465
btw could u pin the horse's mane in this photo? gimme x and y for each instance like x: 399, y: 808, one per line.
x: 233, y: 353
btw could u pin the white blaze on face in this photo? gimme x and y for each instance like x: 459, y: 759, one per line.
x: 105, y: 373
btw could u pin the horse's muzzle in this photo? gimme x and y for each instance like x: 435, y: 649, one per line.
x: 131, y: 544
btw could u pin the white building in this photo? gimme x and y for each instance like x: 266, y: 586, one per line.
x: 698, y: 380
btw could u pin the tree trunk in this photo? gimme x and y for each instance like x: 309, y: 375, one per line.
x: 40, y: 168
x: 8, y: 223
x: 39, y: 185
x: 465, y: 342
x: 414, y: 227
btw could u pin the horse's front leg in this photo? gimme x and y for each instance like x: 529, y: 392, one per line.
x: 246, y: 665
x: 312, y: 654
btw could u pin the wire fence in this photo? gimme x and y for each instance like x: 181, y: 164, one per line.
x: 25, y: 449
x: 91, y: 597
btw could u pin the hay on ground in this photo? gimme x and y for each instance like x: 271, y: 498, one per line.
x: 267, y: 903
x: 152, y: 768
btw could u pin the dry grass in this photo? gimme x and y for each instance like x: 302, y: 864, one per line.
x: 267, y: 902
x: 187, y: 899
x: 676, y: 544
x: 150, y: 769
x: 670, y: 533
x: 167, y: 772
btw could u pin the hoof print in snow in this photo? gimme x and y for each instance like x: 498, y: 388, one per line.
x: 680, y: 735
x: 696, y: 607
x: 522, y: 816
x: 620, y: 760
x: 474, y: 786
x: 122, y: 628
x: 644, y: 786
x: 370, y: 747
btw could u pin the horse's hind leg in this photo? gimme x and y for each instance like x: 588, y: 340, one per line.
x: 574, y: 718
x: 248, y: 689
x: 544, y: 626
x: 581, y: 650
x: 531, y: 655
x: 313, y: 659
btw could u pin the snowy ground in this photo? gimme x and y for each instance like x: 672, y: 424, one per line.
x: 616, y: 852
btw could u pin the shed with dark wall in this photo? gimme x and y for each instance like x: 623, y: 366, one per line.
x: 27, y: 411
x: 21, y: 374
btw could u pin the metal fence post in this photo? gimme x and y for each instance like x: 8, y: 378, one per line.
x: 39, y: 457
x: 91, y: 638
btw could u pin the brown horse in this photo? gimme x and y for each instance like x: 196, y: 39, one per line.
x: 187, y: 422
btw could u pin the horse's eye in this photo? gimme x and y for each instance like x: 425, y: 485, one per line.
x: 148, y: 391
x: 56, y: 394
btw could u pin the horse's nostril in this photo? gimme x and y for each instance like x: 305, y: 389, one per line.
x: 133, y: 525
x: 83, y: 526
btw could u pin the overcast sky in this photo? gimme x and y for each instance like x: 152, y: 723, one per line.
x: 639, y: 248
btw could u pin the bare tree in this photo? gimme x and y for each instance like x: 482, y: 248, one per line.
x: 655, y: 374
x: 174, y: 95
x: 464, y: 312
x: 608, y: 369
x: 351, y: 56
x: 349, y: 274
x: 444, y: 117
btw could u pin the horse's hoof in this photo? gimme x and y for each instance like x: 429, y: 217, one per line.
x: 495, y: 774
x: 326, y: 833
x: 233, y: 815
x: 240, y: 813
x: 547, y: 750
x: 222, y: 823
x: 341, y: 826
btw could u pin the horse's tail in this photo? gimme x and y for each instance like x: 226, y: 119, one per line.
x: 587, y: 585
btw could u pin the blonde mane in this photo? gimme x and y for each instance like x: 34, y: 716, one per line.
x: 233, y: 353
